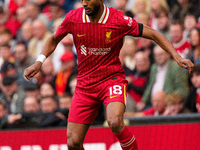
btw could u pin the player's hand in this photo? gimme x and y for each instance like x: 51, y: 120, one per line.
x: 185, y: 63
x: 32, y: 70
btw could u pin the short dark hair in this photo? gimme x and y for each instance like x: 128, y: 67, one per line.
x: 6, y: 31
x: 49, y: 97
x: 188, y: 13
x: 177, y: 21
x: 196, y: 69
x: 6, y: 66
x: 8, y: 80
x: 5, y: 45
x: 22, y: 43
x: 66, y: 95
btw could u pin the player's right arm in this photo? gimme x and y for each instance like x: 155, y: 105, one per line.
x: 65, y: 27
x: 48, y: 49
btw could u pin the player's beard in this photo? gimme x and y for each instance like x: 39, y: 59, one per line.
x: 95, y: 9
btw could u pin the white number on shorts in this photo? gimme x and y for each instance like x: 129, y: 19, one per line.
x: 116, y: 89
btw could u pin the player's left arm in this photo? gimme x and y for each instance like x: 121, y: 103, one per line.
x: 163, y: 42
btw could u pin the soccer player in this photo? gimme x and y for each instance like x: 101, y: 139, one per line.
x: 98, y: 33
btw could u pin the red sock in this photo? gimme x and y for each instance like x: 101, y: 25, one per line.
x: 127, y: 140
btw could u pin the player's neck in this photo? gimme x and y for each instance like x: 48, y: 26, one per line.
x: 98, y: 15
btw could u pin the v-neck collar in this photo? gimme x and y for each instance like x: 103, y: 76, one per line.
x: 103, y: 18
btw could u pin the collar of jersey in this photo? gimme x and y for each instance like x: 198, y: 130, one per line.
x: 103, y: 18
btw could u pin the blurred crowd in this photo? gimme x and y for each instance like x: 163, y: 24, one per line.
x: 156, y: 84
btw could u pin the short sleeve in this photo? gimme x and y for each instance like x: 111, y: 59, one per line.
x: 132, y: 27
x: 65, y: 27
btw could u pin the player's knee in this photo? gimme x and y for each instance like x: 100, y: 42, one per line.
x: 115, y: 124
x: 73, y: 143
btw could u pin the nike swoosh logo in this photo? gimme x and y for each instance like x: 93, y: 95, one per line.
x: 80, y: 35
x: 114, y: 96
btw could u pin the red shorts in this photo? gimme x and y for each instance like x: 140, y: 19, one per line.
x: 84, y: 107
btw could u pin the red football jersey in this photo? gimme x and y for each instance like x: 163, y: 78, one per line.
x: 98, y: 45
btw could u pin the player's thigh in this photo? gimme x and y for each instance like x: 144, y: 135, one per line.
x: 115, y: 110
x: 77, y: 131
x: 84, y: 108
x: 115, y: 100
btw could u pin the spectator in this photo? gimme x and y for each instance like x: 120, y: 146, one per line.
x: 12, y: 95
x: 40, y: 35
x: 47, y: 8
x: 72, y: 83
x: 21, y: 14
x: 33, y: 12
x: 26, y: 32
x: 143, y: 17
x: 48, y: 71
x: 77, y: 5
x: 163, y: 21
x: 13, y: 5
x: 129, y: 48
x: 56, y: 23
x: 48, y: 104
x: 182, y: 7
x: 9, y: 69
x: 31, y: 104
x: 30, y: 117
x: 180, y: 43
x: 190, y: 21
x: 137, y: 80
x: 8, y: 20
x: 121, y: 5
x: 6, y: 54
x: 154, y: 6
x: 5, y: 118
x: 60, y: 49
x: 22, y: 57
x: 65, y: 101
x: 67, y: 67
x: 46, y: 89
x: 165, y: 75
x: 140, y: 6
x: 55, y: 11
x: 194, y: 53
x: 158, y: 106
x: 192, y: 102
x: 67, y: 41
x: 54, y: 116
x: 147, y: 46
x: 3, y: 110
x: 6, y: 37
x: 32, y: 90
x: 175, y: 104
x: 171, y: 3
x: 42, y: 4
